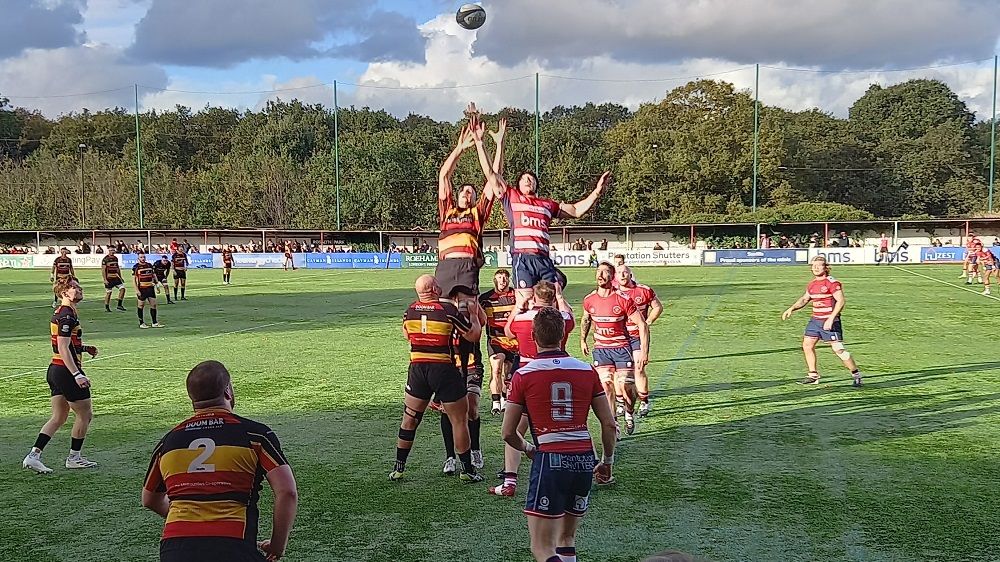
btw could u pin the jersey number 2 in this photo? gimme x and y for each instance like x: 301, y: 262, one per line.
x: 423, y: 323
x: 562, y: 401
x: 198, y: 464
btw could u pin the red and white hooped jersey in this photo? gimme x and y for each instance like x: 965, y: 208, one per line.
x: 529, y: 219
x: 641, y: 296
x: 610, y: 315
x: 970, y: 245
x: 821, y: 295
x: 520, y: 326
x: 556, y: 391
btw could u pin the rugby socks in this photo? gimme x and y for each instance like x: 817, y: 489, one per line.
x: 644, y: 397
x: 856, y: 373
x: 510, y: 479
x: 554, y: 559
x: 449, y: 436
x: 120, y: 303
x: 183, y: 289
x: 142, y: 318
x: 76, y: 445
x: 175, y: 293
x: 40, y: 442
x: 152, y: 314
x: 474, y: 426
x: 401, y: 455
x: 566, y: 553
x: 466, y: 459
x: 620, y: 401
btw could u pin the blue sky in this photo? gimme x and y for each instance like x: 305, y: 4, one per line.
x: 411, y: 56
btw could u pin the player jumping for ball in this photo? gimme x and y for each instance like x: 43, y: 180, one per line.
x: 827, y: 297
x: 529, y: 217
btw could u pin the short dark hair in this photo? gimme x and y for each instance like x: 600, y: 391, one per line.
x: 548, y: 328
x: 608, y: 265
x: 502, y: 271
x: 209, y: 380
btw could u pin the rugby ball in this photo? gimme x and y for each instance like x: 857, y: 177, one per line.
x: 471, y: 16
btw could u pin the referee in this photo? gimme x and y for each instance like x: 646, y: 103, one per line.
x: 205, y: 478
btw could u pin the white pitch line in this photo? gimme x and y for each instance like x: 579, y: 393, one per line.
x: 378, y: 303
x: 88, y: 362
x: 973, y: 291
x: 243, y: 330
x: 26, y: 307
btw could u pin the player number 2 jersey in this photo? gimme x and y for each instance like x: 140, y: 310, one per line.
x: 610, y: 316
x: 211, y: 467
x: 821, y: 295
x: 556, y: 391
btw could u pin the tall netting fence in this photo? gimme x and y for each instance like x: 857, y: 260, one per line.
x: 752, y: 144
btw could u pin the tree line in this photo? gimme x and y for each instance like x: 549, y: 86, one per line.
x: 910, y: 150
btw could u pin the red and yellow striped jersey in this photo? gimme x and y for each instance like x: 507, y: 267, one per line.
x: 211, y: 467
x: 64, y: 266
x: 65, y: 323
x: 462, y: 229
x: 498, y: 307
x: 431, y: 328
x: 143, y: 273
x: 111, y: 267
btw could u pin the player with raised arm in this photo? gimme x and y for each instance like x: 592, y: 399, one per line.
x: 498, y: 303
x: 519, y: 327
x: 529, y: 217
x: 609, y: 312
x: 161, y: 269
x: 62, y: 269
x: 431, y: 324
x: 180, y: 262
x: 557, y: 392
x: 827, y: 297
x: 70, y: 388
x: 227, y: 265
x: 144, y: 279
x: 205, y: 479
x: 651, y: 308
x: 111, y: 272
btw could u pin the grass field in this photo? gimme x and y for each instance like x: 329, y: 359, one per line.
x: 736, y: 461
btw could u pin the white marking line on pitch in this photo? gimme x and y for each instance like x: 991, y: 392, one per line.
x: 26, y: 307
x: 973, y: 291
x: 243, y: 330
x: 378, y: 303
x: 94, y: 360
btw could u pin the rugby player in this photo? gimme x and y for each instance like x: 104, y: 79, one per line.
x: 69, y: 386
x: 430, y: 325
x: 498, y: 303
x: 529, y: 217
x: 111, y: 271
x: 519, y: 327
x: 288, y: 258
x: 180, y: 263
x: 883, y: 249
x: 144, y: 280
x: 986, y: 259
x: 610, y: 312
x: 970, y: 267
x: 471, y: 368
x: 161, y: 268
x: 557, y: 392
x: 827, y: 297
x: 62, y: 268
x: 650, y: 307
x: 205, y: 479
x: 227, y: 265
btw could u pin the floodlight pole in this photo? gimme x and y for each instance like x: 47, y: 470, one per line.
x: 537, y: 123
x: 336, y: 149
x: 756, y: 131
x: 993, y: 133
x: 138, y: 157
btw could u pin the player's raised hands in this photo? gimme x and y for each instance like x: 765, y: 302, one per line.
x: 604, y: 181
x: 501, y: 131
x: 465, y: 139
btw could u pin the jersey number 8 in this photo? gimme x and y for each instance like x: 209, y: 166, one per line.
x: 562, y: 401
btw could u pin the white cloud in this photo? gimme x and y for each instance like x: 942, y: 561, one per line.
x: 452, y: 60
x: 69, y: 79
